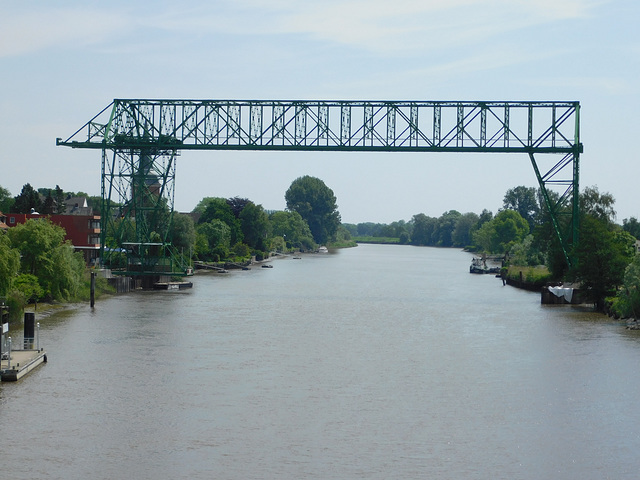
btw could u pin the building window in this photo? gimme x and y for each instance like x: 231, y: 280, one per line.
x: 12, y: 220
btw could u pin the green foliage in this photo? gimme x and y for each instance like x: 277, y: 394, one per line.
x: 28, y: 286
x: 45, y: 255
x: 241, y: 250
x: 9, y: 264
x: 277, y: 244
x: 27, y: 199
x: 603, y: 254
x: 16, y: 301
x: 525, y: 253
x: 524, y: 201
x: 69, y: 268
x: 423, y: 229
x: 217, y: 236
x: 498, y: 235
x: 293, y: 228
x: 627, y: 301
x: 182, y: 232
x: 36, y: 239
x: 48, y: 206
x: 6, y: 200
x: 463, y: 230
x: 445, y: 227
x: 255, y: 225
x: 532, y: 276
x: 632, y: 226
x: 316, y: 203
x: 377, y: 240
x: 597, y: 205
x: 342, y: 239
x: 219, y: 209
x: 59, y: 197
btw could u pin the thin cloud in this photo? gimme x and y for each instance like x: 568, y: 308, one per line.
x: 411, y: 25
x: 30, y: 31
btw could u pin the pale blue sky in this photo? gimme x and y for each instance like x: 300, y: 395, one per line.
x: 62, y: 62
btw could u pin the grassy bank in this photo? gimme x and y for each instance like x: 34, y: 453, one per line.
x: 381, y: 240
x: 528, y: 277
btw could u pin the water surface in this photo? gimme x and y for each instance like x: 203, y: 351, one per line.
x: 375, y: 362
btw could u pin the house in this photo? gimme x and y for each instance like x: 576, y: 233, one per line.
x: 77, y: 206
x: 83, y: 231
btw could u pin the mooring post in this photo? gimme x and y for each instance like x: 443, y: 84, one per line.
x: 93, y: 289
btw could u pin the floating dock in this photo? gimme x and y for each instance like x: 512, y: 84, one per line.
x: 172, y: 285
x: 22, y: 362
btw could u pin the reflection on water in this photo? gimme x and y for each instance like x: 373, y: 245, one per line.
x: 373, y: 362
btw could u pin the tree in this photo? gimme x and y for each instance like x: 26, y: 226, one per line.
x: 48, y: 206
x: 183, y: 232
x: 510, y: 228
x: 628, y: 297
x: 29, y: 288
x: 316, y: 203
x: 255, y: 226
x: 466, y: 224
x: 219, y: 209
x: 293, y: 229
x: 498, y: 235
x: 598, y: 205
x: 9, y: 264
x: 524, y: 201
x: 632, y: 226
x: 603, y: 254
x: 6, y: 200
x: 27, y: 200
x: 237, y: 204
x: 59, y: 197
x: 46, y: 255
x: 36, y: 239
x: 218, y: 237
x: 445, y: 227
x: 423, y: 229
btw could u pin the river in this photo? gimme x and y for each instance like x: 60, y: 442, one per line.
x: 375, y: 362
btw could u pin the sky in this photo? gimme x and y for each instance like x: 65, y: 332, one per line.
x: 62, y: 62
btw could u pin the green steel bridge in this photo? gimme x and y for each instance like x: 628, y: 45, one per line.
x: 140, y: 140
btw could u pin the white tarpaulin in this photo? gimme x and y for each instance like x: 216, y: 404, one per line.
x: 565, y: 292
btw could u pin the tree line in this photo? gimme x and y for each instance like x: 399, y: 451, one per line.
x: 235, y: 229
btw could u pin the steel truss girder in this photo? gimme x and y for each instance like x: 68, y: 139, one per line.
x: 153, y: 128
x: 529, y: 127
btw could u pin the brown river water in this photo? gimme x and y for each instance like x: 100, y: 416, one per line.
x: 376, y: 362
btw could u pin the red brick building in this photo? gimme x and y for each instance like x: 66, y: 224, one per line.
x: 83, y: 231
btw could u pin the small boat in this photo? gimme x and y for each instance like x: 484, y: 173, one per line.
x: 267, y: 266
x: 323, y: 249
x: 479, y: 265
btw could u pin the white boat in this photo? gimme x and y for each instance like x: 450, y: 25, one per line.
x: 323, y: 249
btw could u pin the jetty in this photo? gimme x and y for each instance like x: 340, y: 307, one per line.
x: 20, y: 363
x: 15, y: 363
